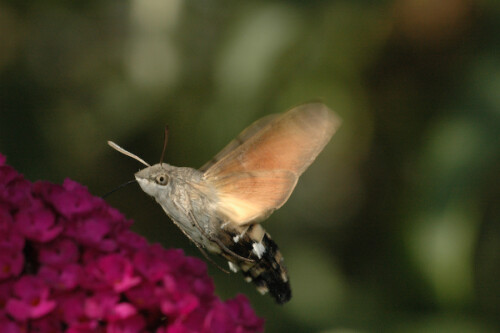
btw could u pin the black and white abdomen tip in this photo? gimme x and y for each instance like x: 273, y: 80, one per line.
x: 267, y: 271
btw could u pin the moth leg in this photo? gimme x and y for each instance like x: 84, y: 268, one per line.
x: 210, y: 259
x: 237, y: 238
x: 228, y: 251
x: 201, y: 249
x: 217, y: 241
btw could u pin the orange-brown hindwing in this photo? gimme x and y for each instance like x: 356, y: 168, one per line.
x: 278, y: 153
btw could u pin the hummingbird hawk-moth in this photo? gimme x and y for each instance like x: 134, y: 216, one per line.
x: 219, y: 207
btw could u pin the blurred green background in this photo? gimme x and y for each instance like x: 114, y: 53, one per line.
x: 395, y: 228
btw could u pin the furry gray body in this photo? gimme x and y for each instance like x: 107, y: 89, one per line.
x: 182, y: 197
x: 191, y: 203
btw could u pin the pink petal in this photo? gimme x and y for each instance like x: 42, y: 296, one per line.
x: 11, y: 264
x: 60, y: 252
x: 21, y: 310
x: 133, y: 324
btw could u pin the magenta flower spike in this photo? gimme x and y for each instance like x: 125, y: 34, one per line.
x: 70, y: 263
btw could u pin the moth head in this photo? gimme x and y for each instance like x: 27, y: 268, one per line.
x: 154, y: 179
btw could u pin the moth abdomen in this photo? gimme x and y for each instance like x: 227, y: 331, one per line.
x: 267, y: 270
x: 269, y: 273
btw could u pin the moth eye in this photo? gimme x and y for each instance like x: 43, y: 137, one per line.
x: 162, y: 179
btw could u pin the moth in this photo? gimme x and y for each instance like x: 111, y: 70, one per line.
x: 219, y: 206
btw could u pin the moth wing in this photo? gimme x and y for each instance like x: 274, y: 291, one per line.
x: 253, y: 196
x: 240, y: 139
x: 258, y: 176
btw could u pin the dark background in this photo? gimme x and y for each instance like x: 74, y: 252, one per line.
x: 394, y: 228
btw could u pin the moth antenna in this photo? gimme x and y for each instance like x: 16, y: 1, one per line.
x: 119, y: 187
x: 127, y: 153
x: 165, y: 141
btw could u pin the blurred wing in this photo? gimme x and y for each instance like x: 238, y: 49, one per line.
x: 258, y: 175
x: 240, y: 139
x: 253, y: 196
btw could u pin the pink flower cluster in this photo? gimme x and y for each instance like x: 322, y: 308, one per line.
x: 69, y: 263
